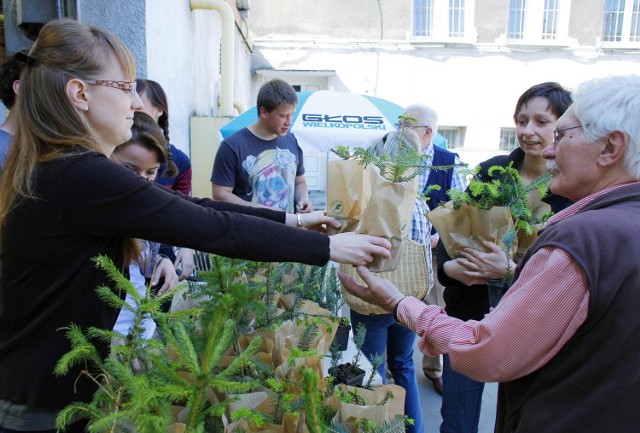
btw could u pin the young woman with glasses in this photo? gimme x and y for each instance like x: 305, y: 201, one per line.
x: 63, y: 202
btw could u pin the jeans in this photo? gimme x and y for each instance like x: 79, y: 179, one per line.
x: 461, y: 401
x: 384, y: 334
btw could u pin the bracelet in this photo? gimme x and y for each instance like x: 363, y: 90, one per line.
x: 299, y: 220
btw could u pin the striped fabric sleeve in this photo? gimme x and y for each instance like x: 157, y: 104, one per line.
x: 526, y: 330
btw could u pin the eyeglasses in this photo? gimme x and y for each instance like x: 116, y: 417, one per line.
x: 558, y: 134
x: 409, y: 125
x: 125, y: 86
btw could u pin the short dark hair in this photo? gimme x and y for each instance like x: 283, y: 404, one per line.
x: 559, y: 98
x: 9, y: 73
x: 275, y: 92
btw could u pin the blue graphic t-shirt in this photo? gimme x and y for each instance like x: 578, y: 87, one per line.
x: 260, y: 171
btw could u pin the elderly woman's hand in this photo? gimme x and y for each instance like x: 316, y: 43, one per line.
x: 377, y: 291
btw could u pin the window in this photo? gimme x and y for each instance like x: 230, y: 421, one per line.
x: 453, y: 135
x: 444, y: 20
x: 538, y: 21
x: 550, y: 19
x: 508, y: 139
x: 516, y: 19
x: 621, y: 24
x: 422, y: 17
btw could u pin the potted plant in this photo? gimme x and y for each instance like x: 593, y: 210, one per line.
x: 498, y: 210
x: 373, y: 191
x: 350, y: 373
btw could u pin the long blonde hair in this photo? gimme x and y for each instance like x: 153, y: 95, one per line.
x: 47, y: 124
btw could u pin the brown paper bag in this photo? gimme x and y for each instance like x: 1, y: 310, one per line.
x: 387, y: 213
x: 344, y: 194
x: 365, y: 202
x: 468, y: 227
x: 348, y: 413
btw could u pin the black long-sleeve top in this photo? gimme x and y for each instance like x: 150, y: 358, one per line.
x: 88, y: 205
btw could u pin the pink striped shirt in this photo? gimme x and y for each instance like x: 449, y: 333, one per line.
x: 533, y: 321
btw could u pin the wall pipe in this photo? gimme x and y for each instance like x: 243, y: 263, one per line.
x: 226, y: 51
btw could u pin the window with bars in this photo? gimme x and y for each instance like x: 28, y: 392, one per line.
x: 443, y: 19
x: 423, y: 17
x: 456, y: 18
x: 454, y: 136
x: 508, y: 139
x: 516, y: 19
x: 538, y: 21
x: 550, y: 19
x: 621, y: 21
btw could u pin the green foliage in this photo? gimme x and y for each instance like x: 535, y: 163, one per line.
x: 318, y: 284
x: 143, y: 379
x: 402, y: 167
x: 311, y: 397
x: 358, y: 339
x: 506, y: 188
x: 139, y: 383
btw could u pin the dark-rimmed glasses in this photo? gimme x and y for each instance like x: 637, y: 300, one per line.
x: 558, y: 134
x: 409, y: 125
x: 125, y: 86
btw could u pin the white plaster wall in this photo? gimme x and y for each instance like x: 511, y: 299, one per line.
x: 170, y: 62
x: 183, y: 55
x: 465, y: 88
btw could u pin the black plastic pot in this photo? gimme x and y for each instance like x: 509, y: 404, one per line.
x: 342, y: 336
x: 347, y: 374
x: 497, y: 289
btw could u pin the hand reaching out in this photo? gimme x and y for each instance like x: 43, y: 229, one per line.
x: 317, y: 221
x: 355, y: 249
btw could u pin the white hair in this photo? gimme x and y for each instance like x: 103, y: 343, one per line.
x: 605, y: 105
x: 390, y: 143
x: 424, y: 115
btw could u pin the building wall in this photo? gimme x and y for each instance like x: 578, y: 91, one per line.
x: 180, y: 49
x: 125, y: 18
x: 473, y: 85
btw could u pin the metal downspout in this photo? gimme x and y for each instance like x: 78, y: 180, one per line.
x: 226, y: 51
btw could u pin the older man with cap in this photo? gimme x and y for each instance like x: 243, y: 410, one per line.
x: 575, y: 292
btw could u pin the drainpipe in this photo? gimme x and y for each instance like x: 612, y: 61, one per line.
x: 226, y: 51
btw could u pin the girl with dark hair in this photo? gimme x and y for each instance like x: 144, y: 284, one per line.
x: 64, y: 202
x: 143, y: 154
x: 175, y: 173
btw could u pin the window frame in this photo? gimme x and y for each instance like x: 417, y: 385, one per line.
x: 630, y: 14
x: 451, y: 132
x: 439, y: 17
x: 533, y: 18
x: 510, y: 133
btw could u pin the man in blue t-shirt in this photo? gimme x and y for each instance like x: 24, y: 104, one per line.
x: 262, y: 164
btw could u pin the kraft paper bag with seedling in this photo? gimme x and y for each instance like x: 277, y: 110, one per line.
x: 502, y: 210
x: 383, y: 190
x: 467, y: 226
x: 344, y: 193
x: 387, y: 214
